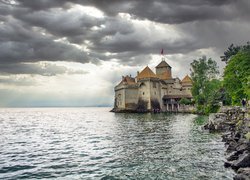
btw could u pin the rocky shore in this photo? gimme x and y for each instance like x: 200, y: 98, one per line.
x: 234, y: 124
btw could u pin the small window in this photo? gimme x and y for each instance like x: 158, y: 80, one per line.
x: 154, y: 84
x: 169, y: 91
x: 155, y: 93
x: 143, y: 93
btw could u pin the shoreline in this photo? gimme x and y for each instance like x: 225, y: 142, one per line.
x: 114, y: 110
x: 234, y: 125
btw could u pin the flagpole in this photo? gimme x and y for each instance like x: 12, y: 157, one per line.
x: 162, y: 55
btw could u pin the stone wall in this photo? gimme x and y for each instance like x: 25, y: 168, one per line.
x: 131, y: 98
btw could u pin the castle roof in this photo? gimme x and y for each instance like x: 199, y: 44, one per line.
x: 146, y: 73
x: 186, y: 79
x: 163, y: 63
x: 127, y: 80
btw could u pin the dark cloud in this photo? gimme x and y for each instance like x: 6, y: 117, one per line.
x: 22, y: 43
x: 46, y: 30
x: 167, y: 11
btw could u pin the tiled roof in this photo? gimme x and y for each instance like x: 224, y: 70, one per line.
x: 146, y: 73
x: 127, y: 80
x: 186, y: 79
x: 163, y: 64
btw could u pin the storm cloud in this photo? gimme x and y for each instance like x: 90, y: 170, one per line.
x: 130, y: 33
x: 49, y: 30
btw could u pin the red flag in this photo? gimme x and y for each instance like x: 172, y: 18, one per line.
x: 161, y: 51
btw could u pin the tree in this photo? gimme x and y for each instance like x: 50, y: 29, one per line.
x: 203, y: 73
x: 237, y: 76
x: 233, y: 50
x: 185, y: 101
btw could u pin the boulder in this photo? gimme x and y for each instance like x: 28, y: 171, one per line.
x: 233, y: 156
x: 243, y: 174
x: 231, y: 146
x: 242, y: 147
x: 245, y: 171
x: 243, y: 161
x: 228, y: 164
x: 226, y: 136
x: 241, y: 177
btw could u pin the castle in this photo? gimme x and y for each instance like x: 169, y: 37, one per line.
x: 150, y: 91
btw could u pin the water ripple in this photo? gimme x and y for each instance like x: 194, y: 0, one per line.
x: 91, y: 143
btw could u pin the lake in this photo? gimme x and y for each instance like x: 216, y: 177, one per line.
x: 93, y: 143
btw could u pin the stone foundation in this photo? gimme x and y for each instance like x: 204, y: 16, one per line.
x: 234, y: 123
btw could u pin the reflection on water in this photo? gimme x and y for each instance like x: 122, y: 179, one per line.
x: 92, y: 143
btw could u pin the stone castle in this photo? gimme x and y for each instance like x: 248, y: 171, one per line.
x: 150, y: 91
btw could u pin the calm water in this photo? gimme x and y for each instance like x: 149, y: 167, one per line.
x: 92, y: 143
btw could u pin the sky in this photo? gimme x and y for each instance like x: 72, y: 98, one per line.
x: 73, y: 52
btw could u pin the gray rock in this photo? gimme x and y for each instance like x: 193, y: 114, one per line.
x: 228, y: 164
x: 243, y: 161
x: 243, y: 174
x: 231, y: 146
x: 242, y: 147
x: 233, y: 156
x: 241, y: 177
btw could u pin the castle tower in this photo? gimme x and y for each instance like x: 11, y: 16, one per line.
x: 149, y: 88
x: 163, y: 70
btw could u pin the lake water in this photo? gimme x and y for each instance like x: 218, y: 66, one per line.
x: 92, y: 143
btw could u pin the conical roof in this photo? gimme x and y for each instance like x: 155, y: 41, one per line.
x: 146, y: 73
x: 186, y: 79
x: 163, y: 63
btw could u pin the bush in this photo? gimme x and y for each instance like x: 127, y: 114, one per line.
x: 185, y: 101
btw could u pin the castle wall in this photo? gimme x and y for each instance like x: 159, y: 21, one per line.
x: 120, y: 98
x: 187, y: 89
x: 164, y: 91
x: 155, y: 92
x: 162, y: 70
x: 131, y: 98
x: 144, y: 92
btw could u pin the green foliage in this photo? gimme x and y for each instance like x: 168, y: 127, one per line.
x: 205, y: 88
x: 247, y: 135
x: 237, y: 76
x: 212, y: 108
x: 185, y: 101
x: 233, y: 50
x: 200, y: 120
